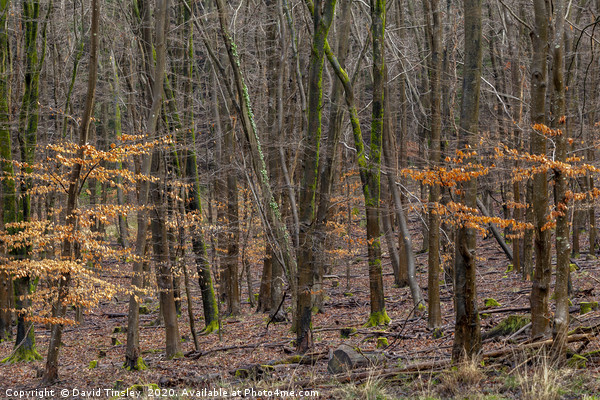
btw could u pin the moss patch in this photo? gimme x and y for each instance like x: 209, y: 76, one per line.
x: 22, y: 354
x: 382, y: 342
x: 140, y: 365
x: 210, y: 328
x: 507, y: 326
x: 377, y: 319
x: 491, y: 302
x: 587, y: 306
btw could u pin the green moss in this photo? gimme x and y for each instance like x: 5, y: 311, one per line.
x: 587, y: 306
x: 22, y: 354
x: 509, y: 325
x: 348, y: 294
x: 140, y: 365
x: 120, y: 329
x: 573, y: 267
x: 177, y: 355
x: 93, y: 364
x: 577, y: 361
x: 377, y: 319
x: 382, y: 342
x: 491, y: 303
x: 211, y: 327
x: 114, y: 341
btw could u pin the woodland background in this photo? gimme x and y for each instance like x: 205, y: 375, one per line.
x: 289, y: 194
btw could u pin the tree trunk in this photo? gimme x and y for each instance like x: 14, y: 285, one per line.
x: 271, y: 211
x: 467, y: 336
x: 330, y: 158
x: 434, y: 29
x: 322, y: 18
x: 27, y: 136
x: 155, y: 75
x: 541, y: 279
x: 68, y: 248
x: 372, y: 198
x: 8, y: 189
x: 160, y: 248
x: 561, y: 315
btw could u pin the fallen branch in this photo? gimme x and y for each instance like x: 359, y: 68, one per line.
x: 194, y: 355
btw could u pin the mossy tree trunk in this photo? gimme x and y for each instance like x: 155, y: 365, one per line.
x: 9, y: 192
x: 27, y: 136
x: 323, y: 12
x: 467, y: 336
x: 330, y: 157
x: 270, y: 208
x: 275, y: 75
x: 372, y: 195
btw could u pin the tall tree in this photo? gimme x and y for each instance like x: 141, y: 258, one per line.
x: 323, y: 12
x: 75, y: 181
x: 467, y: 331
x: 155, y: 76
x: 372, y: 199
x: 561, y: 315
x: 434, y: 33
x: 9, y: 192
x: 27, y: 136
x: 540, y: 291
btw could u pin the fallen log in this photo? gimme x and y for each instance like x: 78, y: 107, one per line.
x: 346, y: 358
x: 386, y: 373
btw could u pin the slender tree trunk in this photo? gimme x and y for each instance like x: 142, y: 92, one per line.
x: 404, y: 234
x: 8, y: 189
x: 330, y: 158
x: 467, y: 336
x: 160, y: 247
x: 275, y: 77
x: 323, y: 13
x: 27, y: 136
x: 434, y: 28
x: 540, y: 291
x: 561, y: 315
x: 372, y: 200
x: 68, y: 249
x: 155, y: 76
x: 271, y: 210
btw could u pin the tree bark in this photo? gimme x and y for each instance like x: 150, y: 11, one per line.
x: 323, y: 13
x: 467, y: 336
x: 540, y: 291
x: 155, y: 76
x: 561, y: 182
x: 434, y: 29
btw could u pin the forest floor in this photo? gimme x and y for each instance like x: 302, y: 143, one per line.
x: 246, y: 341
